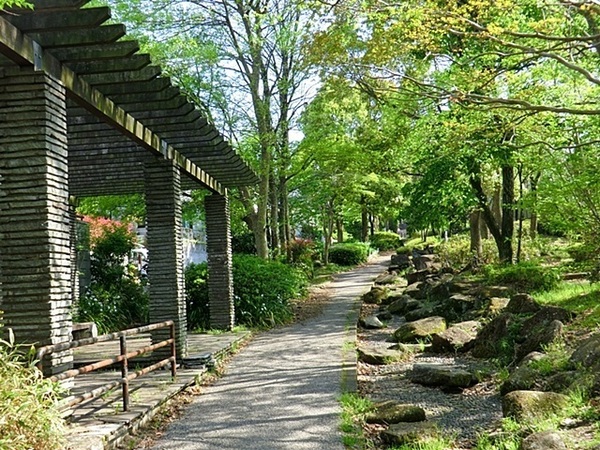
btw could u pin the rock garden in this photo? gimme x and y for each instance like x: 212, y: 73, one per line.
x: 449, y: 362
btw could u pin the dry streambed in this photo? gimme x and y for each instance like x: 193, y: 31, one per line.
x: 428, y: 350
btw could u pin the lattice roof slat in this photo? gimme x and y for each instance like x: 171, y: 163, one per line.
x: 115, y: 83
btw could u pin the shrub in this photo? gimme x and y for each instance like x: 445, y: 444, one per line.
x: 526, y: 276
x: 349, y: 254
x: 262, y: 292
x: 116, y: 298
x: 196, y: 296
x: 457, y: 253
x: 29, y: 418
x: 263, y: 289
x: 385, y: 240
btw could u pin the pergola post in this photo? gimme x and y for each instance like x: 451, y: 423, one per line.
x: 165, y: 250
x: 218, y: 247
x: 35, y: 241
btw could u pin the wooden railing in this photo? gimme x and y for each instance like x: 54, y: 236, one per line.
x: 122, y: 358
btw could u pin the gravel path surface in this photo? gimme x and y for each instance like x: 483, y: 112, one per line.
x: 461, y: 414
x: 281, y: 391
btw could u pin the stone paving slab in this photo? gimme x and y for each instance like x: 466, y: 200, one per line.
x: 101, y: 423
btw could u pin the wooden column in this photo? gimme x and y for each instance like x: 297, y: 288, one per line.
x: 35, y: 241
x: 165, y: 250
x: 218, y: 247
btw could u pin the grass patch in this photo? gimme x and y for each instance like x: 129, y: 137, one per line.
x: 354, y: 410
x: 581, y: 298
x: 433, y: 443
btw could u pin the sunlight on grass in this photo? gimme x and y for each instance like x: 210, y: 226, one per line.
x: 354, y: 408
x: 581, y: 298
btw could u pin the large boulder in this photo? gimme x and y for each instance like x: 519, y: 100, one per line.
x: 422, y: 312
x: 588, y: 353
x: 419, y: 275
x: 457, y: 306
x: 459, y: 337
x: 420, y: 329
x: 401, y: 260
x: 416, y: 290
x: 409, y: 433
x: 392, y: 412
x: 375, y: 296
x: 403, y: 305
x: 489, y: 337
x: 386, y: 278
x: 531, y: 404
x: 544, y: 316
x: 524, y: 376
x: 522, y: 304
x: 441, y: 375
x: 378, y: 356
x: 539, y: 337
x: 372, y: 322
x: 422, y: 262
x: 544, y: 440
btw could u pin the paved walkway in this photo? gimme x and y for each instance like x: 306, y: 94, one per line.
x: 281, y: 392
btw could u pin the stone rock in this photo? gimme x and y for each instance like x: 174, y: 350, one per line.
x: 420, y: 329
x: 458, y: 305
x: 488, y: 338
x: 386, y: 278
x: 408, y: 433
x: 410, y: 348
x: 588, y: 353
x: 524, y: 377
x: 522, y: 304
x: 531, y: 404
x: 545, y: 316
x: 439, y: 288
x: 544, y: 440
x: 375, y: 296
x: 393, y: 412
x: 384, y: 314
x: 419, y: 275
x: 441, y: 375
x: 403, y: 305
x: 377, y: 356
x: 497, y: 304
x: 402, y: 260
x: 561, y: 381
x: 372, y: 323
x: 420, y: 313
x: 538, y: 338
x: 422, y: 262
x: 493, y: 291
x: 416, y: 290
x: 459, y: 337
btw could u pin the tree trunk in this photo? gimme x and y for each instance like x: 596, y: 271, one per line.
x: 508, y: 213
x: 274, y: 217
x: 497, y: 204
x: 520, y: 212
x: 339, y: 224
x: 476, y: 246
x: 364, y: 215
x: 533, y: 226
x: 502, y: 232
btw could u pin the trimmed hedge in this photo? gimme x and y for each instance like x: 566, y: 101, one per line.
x: 349, y: 254
x: 385, y: 240
x: 262, y: 291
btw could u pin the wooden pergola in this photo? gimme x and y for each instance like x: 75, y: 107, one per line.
x: 82, y: 113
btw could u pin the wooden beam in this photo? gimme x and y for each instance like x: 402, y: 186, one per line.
x: 98, y: 35
x: 121, y: 49
x: 14, y: 43
x: 57, y: 4
x: 101, y: 79
x: 132, y: 62
x: 59, y: 20
x: 131, y: 87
